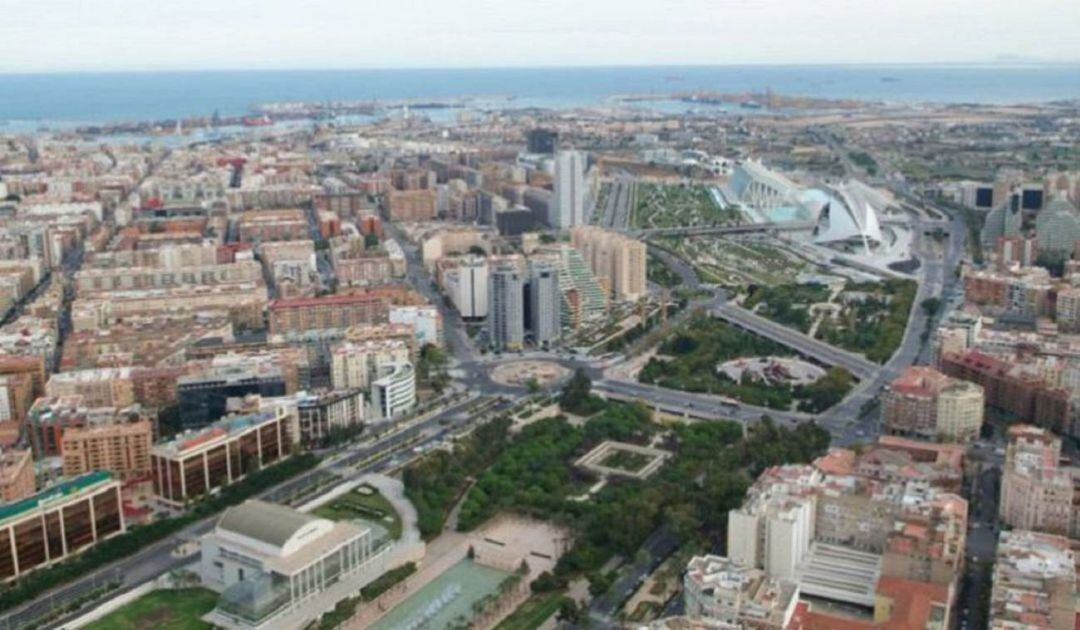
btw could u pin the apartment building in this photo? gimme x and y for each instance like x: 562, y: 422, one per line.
x: 121, y: 449
x: 1034, y: 582
x: 328, y: 312
x: 506, y: 315
x: 272, y: 225
x: 929, y: 405
x: 1037, y: 492
x: 1011, y: 388
x: 99, y: 387
x: 728, y: 594
x: 320, y: 415
x: 411, y: 205
x: 619, y: 260
x: 139, y: 278
x: 17, y: 479
x: 1023, y: 292
x: 356, y: 364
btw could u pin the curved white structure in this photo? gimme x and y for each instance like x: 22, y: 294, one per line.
x: 848, y: 220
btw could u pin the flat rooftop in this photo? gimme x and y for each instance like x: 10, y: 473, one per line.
x: 59, y: 493
x: 841, y: 574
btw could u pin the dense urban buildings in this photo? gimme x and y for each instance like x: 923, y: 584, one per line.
x: 1034, y: 582
x: 327, y: 305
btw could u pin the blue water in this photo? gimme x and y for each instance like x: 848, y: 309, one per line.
x: 74, y: 98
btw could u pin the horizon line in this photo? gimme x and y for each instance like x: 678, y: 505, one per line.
x: 866, y: 64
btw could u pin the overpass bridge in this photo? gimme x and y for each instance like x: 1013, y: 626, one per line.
x: 805, y: 345
x: 749, y: 228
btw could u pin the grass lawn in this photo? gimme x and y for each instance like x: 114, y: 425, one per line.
x: 533, y: 613
x: 162, y: 610
x: 372, y: 507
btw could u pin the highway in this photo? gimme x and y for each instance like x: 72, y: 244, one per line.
x: 717, y: 230
x: 859, y: 366
x: 618, y: 204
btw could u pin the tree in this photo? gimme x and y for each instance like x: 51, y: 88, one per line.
x: 371, y: 241
x: 576, y: 395
x: 931, y: 306
x: 569, y: 612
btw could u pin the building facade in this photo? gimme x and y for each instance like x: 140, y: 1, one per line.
x: 569, y: 202
x: 929, y: 405
x: 1037, y: 493
x: 506, y: 319
x: 545, y: 300
x: 193, y: 464
x: 121, y: 449
x: 59, y: 522
x: 393, y: 393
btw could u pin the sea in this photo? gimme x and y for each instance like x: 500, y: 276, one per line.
x: 30, y: 101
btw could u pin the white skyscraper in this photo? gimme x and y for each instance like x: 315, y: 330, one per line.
x: 569, y: 208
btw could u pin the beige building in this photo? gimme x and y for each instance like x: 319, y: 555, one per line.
x: 1036, y: 492
x: 137, y: 278
x: 355, y: 365
x: 122, y: 449
x: 618, y: 260
x: 927, y: 404
x: 16, y: 475
x: 99, y: 387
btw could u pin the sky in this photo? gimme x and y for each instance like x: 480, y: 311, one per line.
x: 121, y: 35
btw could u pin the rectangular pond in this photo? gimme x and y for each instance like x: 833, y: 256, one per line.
x: 446, y: 601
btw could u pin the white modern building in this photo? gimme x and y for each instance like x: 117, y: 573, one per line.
x: 774, y: 528
x: 277, y: 567
x: 849, y: 219
x: 569, y: 206
x: 467, y: 286
x: 394, y: 392
x: 755, y: 185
